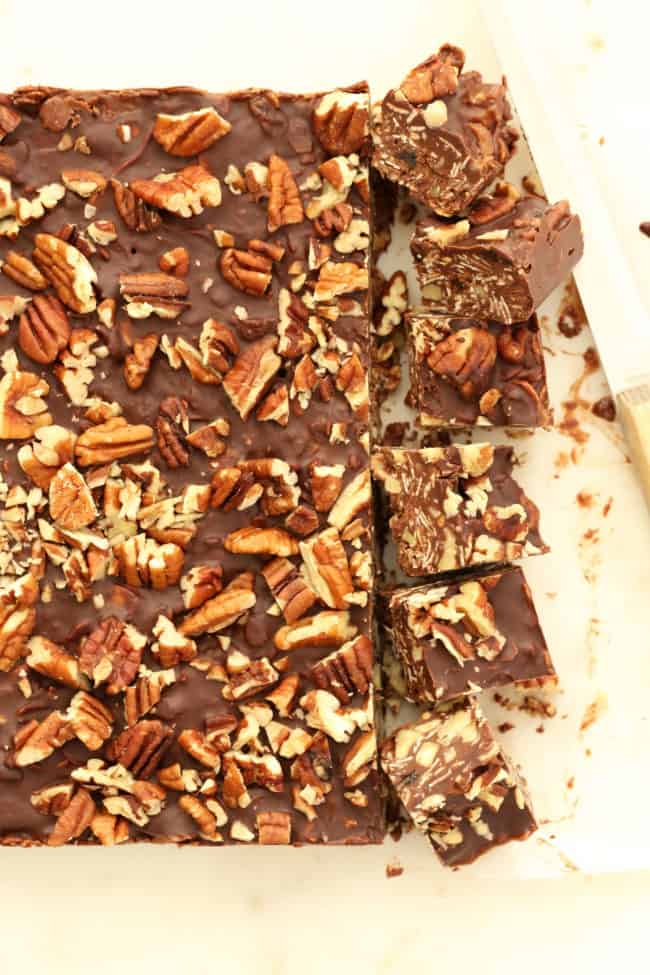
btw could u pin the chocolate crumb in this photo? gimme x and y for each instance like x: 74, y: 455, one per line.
x: 645, y: 228
x: 572, y: 318
x: 605, y: 409
x: 584, y: 499
x: 505, y: 726
x: 394, y: 869
x: 570, y: 782
x: 608, y: 507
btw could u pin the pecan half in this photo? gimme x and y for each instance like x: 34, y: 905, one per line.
x: 172, y: 426
x: 205, y: 819
x: 111, y: 441
x: 133, y: 211
x: 199, y: 747
x: 184, y: 193
x: 274, y: 828
x: 111, y: 654
x: 340, y: 121
x: 143, y: 561
x: 251, y: 374
x: 68, y: 271
x: 74, y: 820
x: 219, y: 612
x: 140, y: 749
x: 71, y: 501
x: 327, y: 629
x: 22, y: 407
x: 347, y: 671
x: 251, y: 540
x: 138, y: 362
x: 247, y: 271
x: 285, y: 205
x: 289, y: 589
x: 90, y: 720
x: 153, y: 293
x: 36, y: 741
x: 465, y: 358
x: 23, y: 271
x: 43, y: 329
x: 191, y: 133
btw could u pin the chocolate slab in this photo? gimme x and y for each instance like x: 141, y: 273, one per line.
x: 455, y: 507
x: 466, y: 636
x: 456, y: 784
x: 467, y: 373
x: 501, y: 262
x: 444, y: 133
x: 186, y: 541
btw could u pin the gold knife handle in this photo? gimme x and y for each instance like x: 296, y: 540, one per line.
x: 633, y: 407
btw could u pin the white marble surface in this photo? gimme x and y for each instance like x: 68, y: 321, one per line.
x: 323, y: 911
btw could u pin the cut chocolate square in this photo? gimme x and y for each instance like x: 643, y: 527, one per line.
x: 444, y: 134
x: 468, y: 635
x: 185, y: 499
x: 469, y: 373
x: 454, y: 507
x: 501, y: 262
x: 456, y: 784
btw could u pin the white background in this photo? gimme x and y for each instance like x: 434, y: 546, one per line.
x: 275, y: 912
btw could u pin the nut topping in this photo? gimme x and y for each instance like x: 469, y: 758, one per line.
x: 341, y: 121
x: 22, y: 407
x: 285, y: 205
x: 111, y: 441
x: 190, y: 134
x: 44, y: 329
x: 68, y: 271
x: 71, y: 502
x: 184, y: 193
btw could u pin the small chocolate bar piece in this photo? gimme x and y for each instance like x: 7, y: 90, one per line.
x: 453, y: 507
x: 469, y: 373
x: 185, y: 560
x: 464, y: 636
x: 456, y: 784
x: 444, y: 133
x: 497, y: 265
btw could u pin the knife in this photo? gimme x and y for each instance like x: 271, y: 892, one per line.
x: 615, y: 309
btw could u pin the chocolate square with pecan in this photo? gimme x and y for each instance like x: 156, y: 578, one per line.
x: 454, y: 507
x: 456, y: 783
x: 469, y: 373
x: 465, y: 636
x: 185, y: 491
x: 444, y: 134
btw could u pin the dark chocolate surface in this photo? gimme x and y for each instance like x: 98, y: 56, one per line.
x: 317, y: 375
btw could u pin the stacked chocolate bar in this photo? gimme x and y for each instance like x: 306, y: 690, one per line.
x: 456, y: 514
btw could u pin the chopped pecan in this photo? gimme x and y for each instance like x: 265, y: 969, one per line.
x: 218, y: 344
x: 90, y: 720
x: 50, y: 659
x: 324, y: 711
x: 285, y: 205
x: 359, y: 758
x: 108, y: 829
x: 179, y: 779
x: 51, y: 800
x: 340, y: 121
x: 251, y: 374
x: 43, y: 329
x: 138, y: 362
x: 501, y: 201
x: 10, y: 307
x: 293, y: 316
x: 21, y: 270
x: 465, y: 358
x: 142, y: 697
x: 172, y: 427
x: 206, y: 820
x: 191, y: 133
x: 74, y: 820
x: 347, y: 671
x: 303, y: 521
x: 274, y: 828
x: 184, y: 193
x: 327, y: 629
x: 283, y: 697
x: 289, y: 589
x: 200, y: 584
x: 140, y: 749
x: 352, y: 380
x: 68, y: 271
x: 435, y: 77
x: 235, y: 794
x: 251, y: 540
x: 355, y: 496
x: 74, y: 369
x: 71, y: 501
x: 275, y: 406
x: 338, y: 278
x: 133, y: 211
x: 219, y: 612
x: 111, y: 441
x: 326, y: 484
x: 513, y: 342
x: 143, y: 561
x: 199, y: 747
x: 172, y: 646
x: 334, y: 219
x: 326, y: 567
x: 249, y: 272
x: 35, y: 741
x: 175, y: 261
x: 23, y: 410
x: 211, y: 438
x: 9, y: 120
x: 264, y: 770
x: 83, y: 182
x: 111, y: 654
x: 248, y: 677
x: 102, y: 232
